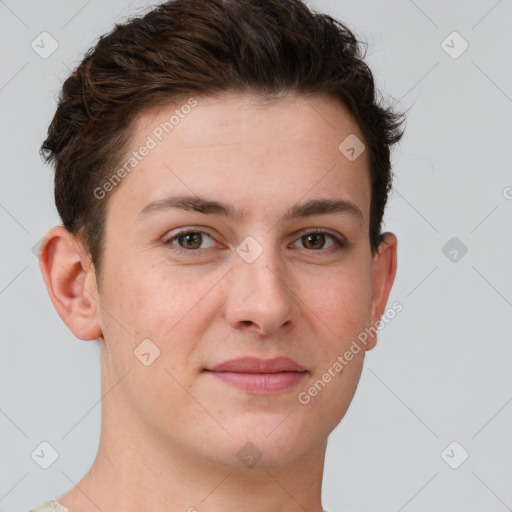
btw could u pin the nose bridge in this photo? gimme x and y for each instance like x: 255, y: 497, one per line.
x: 260, y: 292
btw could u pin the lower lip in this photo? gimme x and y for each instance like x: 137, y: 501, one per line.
x: 263, y: 383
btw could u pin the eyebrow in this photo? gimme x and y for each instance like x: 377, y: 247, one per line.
x: 203, y: 205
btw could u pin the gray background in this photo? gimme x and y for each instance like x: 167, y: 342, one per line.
x: 441, y: 370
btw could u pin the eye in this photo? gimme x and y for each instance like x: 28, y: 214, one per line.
x: 191, y: 240
x: 316, y: 240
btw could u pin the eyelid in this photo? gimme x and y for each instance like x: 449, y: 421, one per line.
x: 175, y: 233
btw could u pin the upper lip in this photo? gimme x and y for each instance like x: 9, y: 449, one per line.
x: 256, y: 365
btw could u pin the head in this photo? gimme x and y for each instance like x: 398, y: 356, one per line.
x: 256, y: 126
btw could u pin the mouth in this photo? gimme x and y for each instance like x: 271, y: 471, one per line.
x: 260, y: 376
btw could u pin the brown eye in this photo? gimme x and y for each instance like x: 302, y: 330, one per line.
x: 313, y: 240
x: 320, y: 241
x: 190, y: 240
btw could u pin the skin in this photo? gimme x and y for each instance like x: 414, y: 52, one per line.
x: 171, y: 431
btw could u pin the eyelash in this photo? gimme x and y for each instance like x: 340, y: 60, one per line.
x: 339, y: 242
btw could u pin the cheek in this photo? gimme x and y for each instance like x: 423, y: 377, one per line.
x: 342, y: 300
x: 144, y: 299
x: 343, y: 306
x: 144, y: 295
x: 132, y: 309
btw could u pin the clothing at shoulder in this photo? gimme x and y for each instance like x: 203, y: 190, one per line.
x: 49, y: 506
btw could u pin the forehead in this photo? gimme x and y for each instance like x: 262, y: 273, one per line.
x: 243, y: 150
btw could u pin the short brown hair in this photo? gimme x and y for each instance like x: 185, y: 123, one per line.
x: 202, y: 47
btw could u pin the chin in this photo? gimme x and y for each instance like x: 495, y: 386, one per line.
x: 266, y: 441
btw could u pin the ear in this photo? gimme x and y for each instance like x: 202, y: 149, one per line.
x: 384, y: 270
x: 70, y: 279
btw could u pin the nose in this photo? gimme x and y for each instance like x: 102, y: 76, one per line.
x: 260, y: 297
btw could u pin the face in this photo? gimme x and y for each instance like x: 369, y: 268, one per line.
x: 242, y: 234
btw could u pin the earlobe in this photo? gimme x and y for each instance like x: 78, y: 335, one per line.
x: 70, y: 280
x: 384, y: 270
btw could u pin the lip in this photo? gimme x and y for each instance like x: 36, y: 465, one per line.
x: 256, y: 365
x: 261, y: 376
